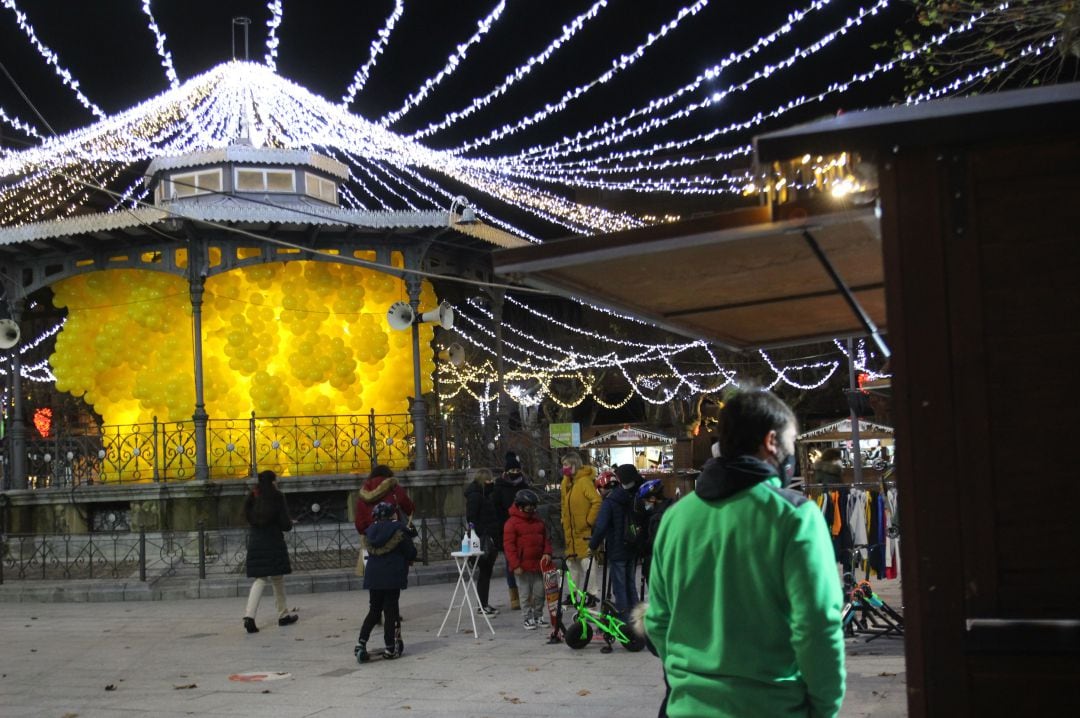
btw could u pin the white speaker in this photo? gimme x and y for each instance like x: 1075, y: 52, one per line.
x: 400, y: 316
x: 453, y: 354
x: 9, y: 333
x: 443, y: 314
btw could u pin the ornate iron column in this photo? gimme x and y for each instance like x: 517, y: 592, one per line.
x: 17, y: 460
x: 419, y: 406
x: 197, y: 271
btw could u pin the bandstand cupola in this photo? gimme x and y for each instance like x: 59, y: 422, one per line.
x: 247, y: 174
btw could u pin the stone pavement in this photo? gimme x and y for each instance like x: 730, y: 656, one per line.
x: 97, y: 659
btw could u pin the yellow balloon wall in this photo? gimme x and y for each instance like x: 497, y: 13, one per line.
x: 284, y: 339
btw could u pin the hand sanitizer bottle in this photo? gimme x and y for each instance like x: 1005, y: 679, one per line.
x: 465, y: 545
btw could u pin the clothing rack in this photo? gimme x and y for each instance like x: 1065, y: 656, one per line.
x: 859, y: 485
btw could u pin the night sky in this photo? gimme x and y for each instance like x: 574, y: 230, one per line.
x: 109, y: 49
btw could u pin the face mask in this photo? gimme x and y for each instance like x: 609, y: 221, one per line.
x: 649, y: 506
x: 567, y: 471
x: 786, y: 468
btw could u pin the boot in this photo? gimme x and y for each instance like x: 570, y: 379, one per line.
x: 515, y: 601
x: 360, y: 651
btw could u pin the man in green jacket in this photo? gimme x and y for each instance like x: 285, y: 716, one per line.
x: 744, y: 596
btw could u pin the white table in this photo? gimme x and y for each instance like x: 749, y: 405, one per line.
x: 470, y: 598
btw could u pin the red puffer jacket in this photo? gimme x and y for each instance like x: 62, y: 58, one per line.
x: 525, y: 540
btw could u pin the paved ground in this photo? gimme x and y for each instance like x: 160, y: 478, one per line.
x: 175, y: 658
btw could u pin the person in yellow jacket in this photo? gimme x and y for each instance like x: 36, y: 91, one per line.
x: 580, y: 507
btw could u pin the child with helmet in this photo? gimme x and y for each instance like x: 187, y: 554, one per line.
x: 390, y: 551
x: 527, y: 545
x: 652, y: 503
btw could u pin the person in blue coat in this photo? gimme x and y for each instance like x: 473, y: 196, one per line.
x: 390, y: 552
x: 616, y: 511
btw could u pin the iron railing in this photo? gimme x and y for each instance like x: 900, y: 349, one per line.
x: 147, y: 555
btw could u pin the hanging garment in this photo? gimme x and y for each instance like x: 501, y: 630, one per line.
x: 892, y: 535
x: 857, y: 519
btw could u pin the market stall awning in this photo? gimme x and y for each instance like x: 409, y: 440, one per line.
x: 628, y: 436
x: 841, y: 431
x: 735, y: 279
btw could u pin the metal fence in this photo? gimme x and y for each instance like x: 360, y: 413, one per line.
x: 146, y: 555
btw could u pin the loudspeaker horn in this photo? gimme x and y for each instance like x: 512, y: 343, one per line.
x: 9, y: 333
x: 400, y: 316
x: 443, y: 314
x: 453, y: 354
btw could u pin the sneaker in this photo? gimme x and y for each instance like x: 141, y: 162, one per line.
x: 488, y: 610
x: 288, y: 620
x: 530, y: 625
x: 249, y: 625
x: 541, y: 621
x: 360, y: 651
x: 391, y: 652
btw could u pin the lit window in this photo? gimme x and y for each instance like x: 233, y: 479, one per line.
x: 320, y: 188
x: 189, y: 184
x: 251, y: 179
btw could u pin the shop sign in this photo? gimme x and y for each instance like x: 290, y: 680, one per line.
x: 564, y: 435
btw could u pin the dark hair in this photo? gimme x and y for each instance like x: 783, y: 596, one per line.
x: 747, y: 418
x: 628, y: 475
x: 382, y: 470
x: 832, y: 454
x: 267, y: 501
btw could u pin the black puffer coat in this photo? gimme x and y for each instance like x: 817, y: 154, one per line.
x: 390, y: 549
x: 480, y: 512
x: 267, y: 554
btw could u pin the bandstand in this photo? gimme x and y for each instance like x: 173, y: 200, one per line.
x: 268, y: 221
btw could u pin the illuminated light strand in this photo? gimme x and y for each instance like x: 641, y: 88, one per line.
x: 973, y: 77
x: 384, y: 184
x: 860, y: 360
x: 781, y: 374
x: 272, y: 40
x: 617, y: 65
x: 715, y: 98
x: 377, y: 46
x: 676, y: 185
x: 53, y: 59
x: 588, y: 166
x: 165, y: 55
x: 568, y: 31
x: 24, y: 127
x: 447, y: 194
x: 712, y: 73
x: 452, y: 63
x: 797, y: 102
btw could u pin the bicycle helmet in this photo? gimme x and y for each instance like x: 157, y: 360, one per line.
x: 384, y: 511
x: 606, y: 480
x: 526, y: 497
x: 651, y: 489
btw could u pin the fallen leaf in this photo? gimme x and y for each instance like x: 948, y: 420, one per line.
x: 266, y: 690
x: 70, y: 715
x: 511, y: 699
x: 532, y: 669
x: 583, y: 692
x: 185, y: 687
x: 886, y: 674
x: 110, y: 687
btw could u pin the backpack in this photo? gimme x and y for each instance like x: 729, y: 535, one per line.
x: 633, y: 535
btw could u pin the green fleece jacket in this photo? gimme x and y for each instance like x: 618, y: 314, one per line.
x: 745, y: 599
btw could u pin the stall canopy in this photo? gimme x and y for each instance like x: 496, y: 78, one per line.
x: 628, y: 436
x: 841, y: 431
x: 736, y: 278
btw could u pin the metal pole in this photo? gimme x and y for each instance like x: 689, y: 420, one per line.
x: 202, y: 548
x: 197, y: 282
x: 142, y: 555
x: 856, y: 447
x: 502, y: 411
x: 419, y: 407
x: 861, y: 315
x: 18, y: 425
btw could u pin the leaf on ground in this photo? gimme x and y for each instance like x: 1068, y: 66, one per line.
x: 512, y: 699
x: 70, y: 715
x: 266, y: 690
x: 886, y: 674
x: 533, y: 669
x: 110, y: 687
x: 583, y: 692
x: 185, y: 686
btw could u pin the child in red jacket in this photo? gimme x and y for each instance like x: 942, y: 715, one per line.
x: 525, y: 540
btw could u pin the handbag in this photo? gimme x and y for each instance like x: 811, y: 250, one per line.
x: 488, y: 547
x: 361, y: 562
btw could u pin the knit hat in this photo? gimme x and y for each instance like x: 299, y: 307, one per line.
x: 628, y: 475
x: 512, y: 461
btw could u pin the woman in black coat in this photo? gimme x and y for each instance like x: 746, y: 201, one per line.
x: 267, y: 554
x: 481, y: 513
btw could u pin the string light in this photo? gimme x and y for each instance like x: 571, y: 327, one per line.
x: 452, y: 64
x: 617, y: 66
x: 165, y: 55
x: 782, y: 374
x: 272, y: 40
x: 52, y: 58
x: 568, y: 31
x: 377, y: 46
